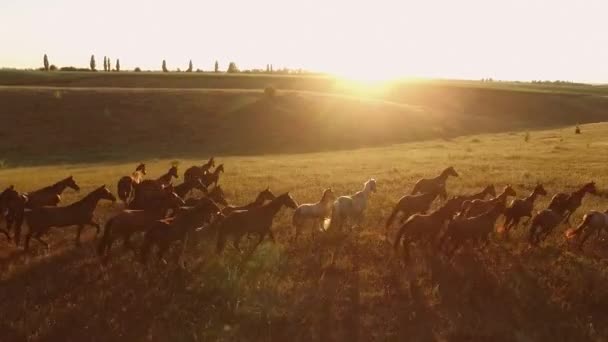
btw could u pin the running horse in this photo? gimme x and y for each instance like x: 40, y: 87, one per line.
x: 409, y: 205
x: 264, y: 196
x: 520, y: 208
x: 593, y: 222
x: 427, y: 185
x: 568, y: 203
x: 352, y: 207
x: 316, y: 212
x: 213, y: 177
x: 127, y: 183
x: 198, y: 172
x: 50, y: 195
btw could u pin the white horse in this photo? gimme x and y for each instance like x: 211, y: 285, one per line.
x: 317, y: 212
x: 593, y: 221
x: 352, y: 207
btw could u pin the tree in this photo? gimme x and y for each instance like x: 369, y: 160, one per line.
x: 267, y: 68
x: 46, y: 63
x: 189, y: 67
x: 232, y: 68
x: 117, y: 64
x: 217, y: 67
x: 165, y: 66
x: 137, y: 69
x: 52, y: 67
x: 109, y: 65
x: 105, y: 63
x: 92, y: 63
x: 271, y: 69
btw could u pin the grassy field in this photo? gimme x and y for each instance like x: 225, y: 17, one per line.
x: 340, y: 288
x: 50, y: 125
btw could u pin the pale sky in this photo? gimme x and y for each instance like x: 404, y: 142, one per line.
x: 509, y: 39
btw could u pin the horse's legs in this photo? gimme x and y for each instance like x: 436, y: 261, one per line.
x: 180, y: 260
x: 586, y: 233
x: 127, y: 243
x: 80, y: 228
x: 237, y: 241
x: 5, y: 232
x: 18, y: 225
x: 38, y: 237
x: 96, y: 225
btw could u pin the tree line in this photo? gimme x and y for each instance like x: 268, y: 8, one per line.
x: 109, y: 67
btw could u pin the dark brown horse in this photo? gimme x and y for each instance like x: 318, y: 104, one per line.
x: 184, y: 189
x: 127, y: 183
x: 264, y: 196
x: 520, y: 208
x: 476, y: 228
x: 423, y: 227
x: 254, y: 221
x: 478, y: 207
x: 487, y: 191
x: 543, y: 223
x: 213, y: 177
x: 430, y: 185
x: 50, y: 195
x: 198, y: 172
x: 129, y: 222
x: 163, y: 233
x: 566, y: 204
x: 216, y: 194
x: 157, y: 184
x: 40, y: 220
x: 409, y: 205
x: 12, y: 205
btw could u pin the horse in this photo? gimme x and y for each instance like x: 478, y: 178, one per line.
x: 593, y: 222
x: 426, y: 185
x: 568, y: 203
x: 352, y: 207
x: 164, y: 232
x: 80, y: 213
x: 522, y: 208
x: 260, y: 199
x: 421, y: 226
x: 50, y: 195
x: 487, y: 191
x: 184, y: 189
x: 478, y: 227
x: 543, y: 223
x: 156, y: 184
x: 254, y: 221
x: 409, y: 205
x: 316, y: 212
x: 12, y: 205
x: 216, y: 194
x: 213, y: 177
x: 198, y: 172
x: 127, y: 183
x: 128, y: 222
x: 477, y: 207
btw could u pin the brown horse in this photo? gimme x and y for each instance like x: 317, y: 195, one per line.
x: 487, y: 191
x: 129, y: 222
x: 40, y: 220
x: 216, y: 194
x: 429, y: 185
x: 477, y: 228
x: 423, y: 227
x: 198, y: 172
x: 213, y: 177
x: 157, y: 184
x: 12, y: 205
x: 543, y: 223
x: 409, y: 205
x: 127, y: 183
x: 478, y: 207
x: 264, y: 196
x: 566, y: 204
x: 254, y: 221
x: 522, y: 208
x: 164, y: 232
x: 50, y: 195
x: 184, y: 189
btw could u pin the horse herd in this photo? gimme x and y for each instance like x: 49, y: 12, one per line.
x: 165, y: 214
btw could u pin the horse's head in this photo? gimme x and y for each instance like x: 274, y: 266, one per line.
x: 141, y: 168
x: 211, y: 162
x: 220, y: 168
x: 590, y: 188
x: 490, y: 190
x: 265, y: 195
x: 509, y: 191
x: 287, y: 200
x: 370, y: 185
x: 217, y: 195
x: 71, y: 183
x: 450, y: 171
x: 328, y: 195
x: 105, y: 193
x: 7, y: 196
x: 540, y: 190
x: 173, y: 172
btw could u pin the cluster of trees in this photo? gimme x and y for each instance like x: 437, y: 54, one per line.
x: 558, y: 82
x: 107, y: 67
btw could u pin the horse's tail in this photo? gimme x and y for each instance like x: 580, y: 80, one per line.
x: 572, y: 233
x: 391, y: 217
x: 105, y: 239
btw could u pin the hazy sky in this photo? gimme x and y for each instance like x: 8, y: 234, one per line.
x: 508, y: 39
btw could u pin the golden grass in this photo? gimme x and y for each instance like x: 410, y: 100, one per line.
x: 337, y: 289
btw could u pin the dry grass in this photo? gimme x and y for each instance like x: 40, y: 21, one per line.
x: 341, y: 288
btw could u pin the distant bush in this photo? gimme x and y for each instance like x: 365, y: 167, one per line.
x: 71, y: 68
x: 270, y: 91
x: 137, y: 69
x: 53, y: 67
x: 199, y: 70
x: 232, y: 68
